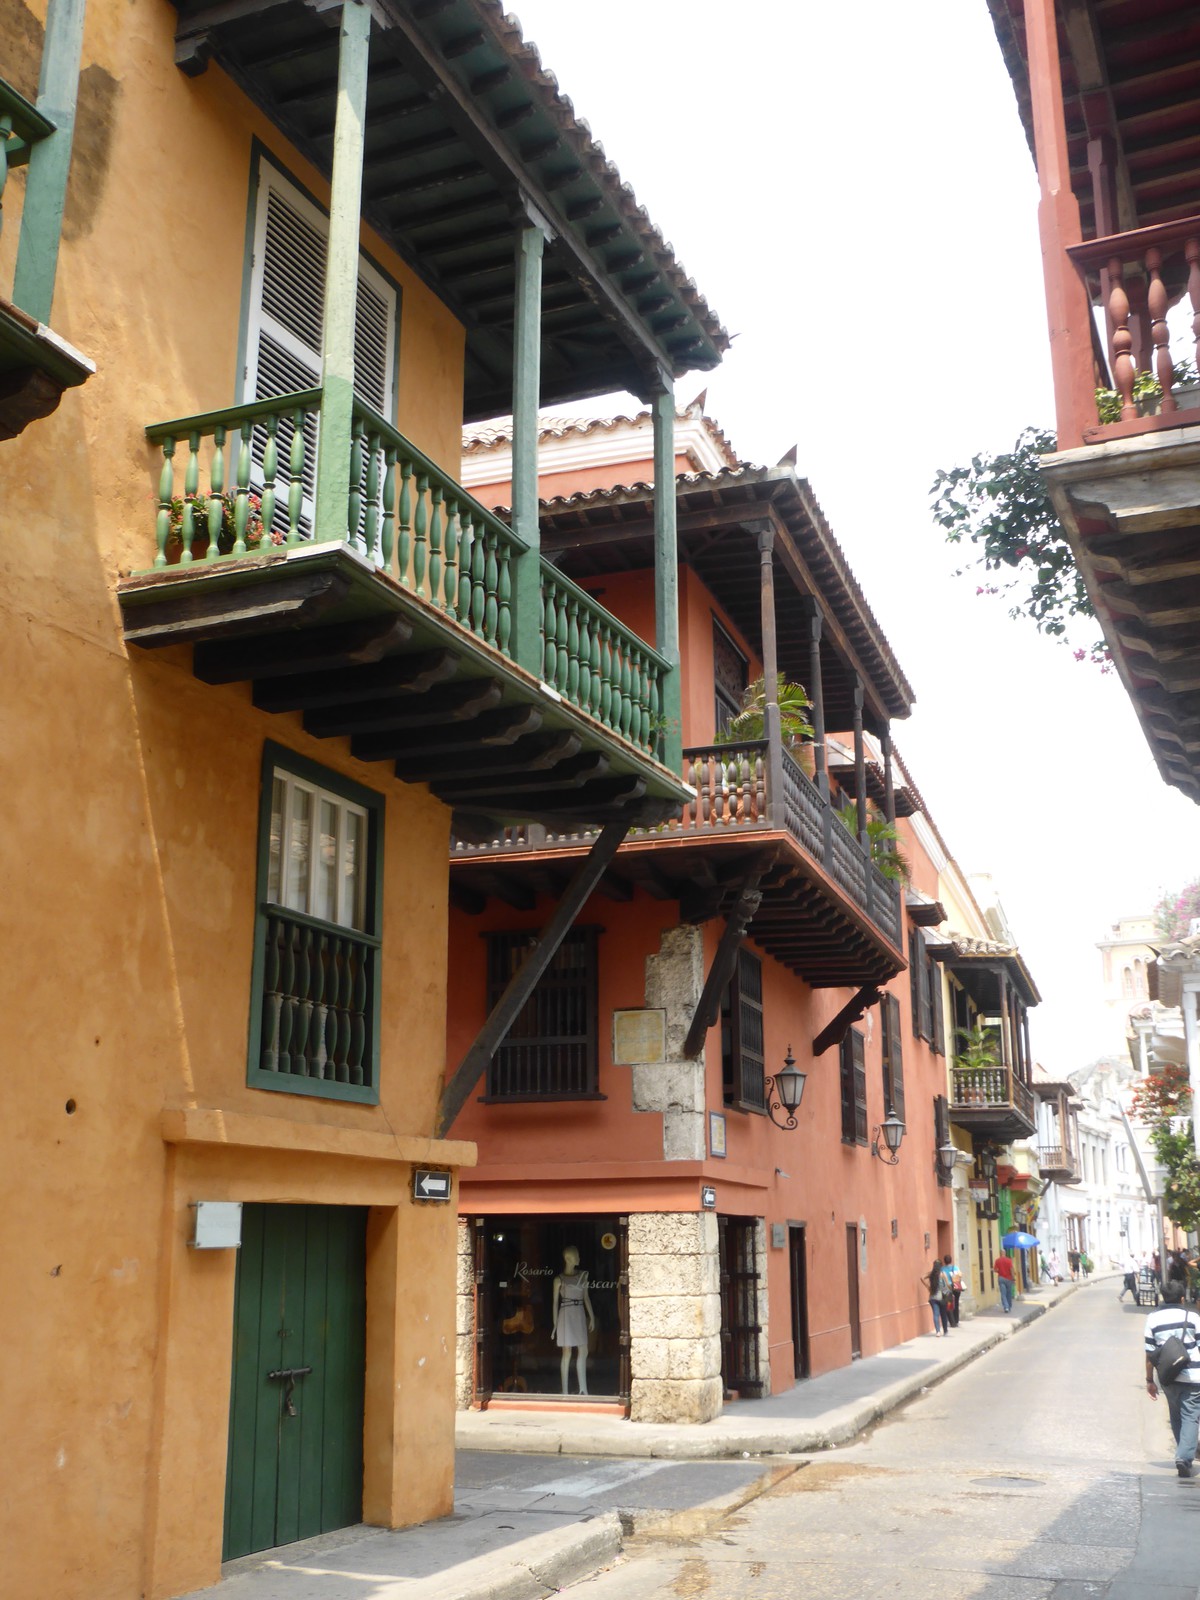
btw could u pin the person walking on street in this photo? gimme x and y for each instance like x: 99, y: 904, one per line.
x: 952, y: 1283
x: 935, y: 1288
x: 1173, y: 1318
x: 1055, y: 1268
x: 1073, y: 1264
x: 1129, y: 1267
x: 1004, y: 1276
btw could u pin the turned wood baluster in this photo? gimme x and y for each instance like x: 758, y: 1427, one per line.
x: 270, y: 469
x: 1122, y: 338
x: 166, y: 491
x: 478, y: 586
x: 549, y: 631
x: 435, y: 545
x: 1192, y: 252
x: 450, y: 551
x: 296, y: 484
x: 358, y: 1019
x: 371, y: 520
x: 388, y: 537
x: 606, y: 675
x: 241, y: 501
x: 1156, y: 299
x: 595, y: 686
x: 357, y: 467
x: 626, y: 694
x: 404, y: 513
x: 420, y: 527
x: 216, y: 495
x: 559, y: 679
x: 760, y: 786
x: 585, y: 660
x: 269, y: 1058
x: 466, y: 549
x: 504, y: 623
x: 191, y: 487
x: 491, y: 590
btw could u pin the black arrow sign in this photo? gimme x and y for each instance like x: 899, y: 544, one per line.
x: 430, y: 1185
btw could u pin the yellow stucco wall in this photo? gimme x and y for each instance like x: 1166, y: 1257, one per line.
x: 128, y: 881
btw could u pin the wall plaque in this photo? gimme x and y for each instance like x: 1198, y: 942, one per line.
x: 778, y: 1235
x: 639, y: 1037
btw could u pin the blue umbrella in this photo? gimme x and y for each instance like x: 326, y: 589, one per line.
x: 1019, y: 1241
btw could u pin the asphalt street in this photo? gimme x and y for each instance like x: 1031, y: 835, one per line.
x: 1042, y: 1471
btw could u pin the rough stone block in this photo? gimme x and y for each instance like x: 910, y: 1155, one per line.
x: 464, y: 1274
x: 683, y: 1136
x: 464, y: 1314
x: 674, y: 980
x: 673, y: 1274
x: 675, y: 1316
x: 464, y: 1372
x: 663, y: 1233
x: 675, y: 1400
x: 668, y: 1086
x: 676, y: 1358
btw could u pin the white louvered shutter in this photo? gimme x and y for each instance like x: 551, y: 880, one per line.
x: 283, y: 345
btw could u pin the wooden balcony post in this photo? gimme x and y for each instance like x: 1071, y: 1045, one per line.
x: 666, y: 570
x: 770, y: 658
x: 1156, y: 300
x: 49, y: 161
x: 1067, y: 309
x: 341, y: 277
x: 527, y: 643
x: 816, y: 692
x: 889, y: 781
x: 860, y: 763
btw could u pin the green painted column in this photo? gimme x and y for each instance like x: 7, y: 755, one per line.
x: 527, y: 382
x: 666, y: 572
x: 49, y: 161
x: 341, y: 276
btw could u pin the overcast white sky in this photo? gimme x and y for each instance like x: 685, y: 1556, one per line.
x: 851, y: 189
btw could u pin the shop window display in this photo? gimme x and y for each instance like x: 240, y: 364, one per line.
x: 550, y: 1305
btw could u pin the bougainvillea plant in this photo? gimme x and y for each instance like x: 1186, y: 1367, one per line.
x: 1174, y: 913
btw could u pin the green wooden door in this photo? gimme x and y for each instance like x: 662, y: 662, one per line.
x: 299, y: 1301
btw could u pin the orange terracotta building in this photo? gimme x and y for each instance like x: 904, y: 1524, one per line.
x: 636, y: 1112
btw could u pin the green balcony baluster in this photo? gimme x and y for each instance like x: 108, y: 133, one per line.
x: 561, y: 634
x: 491, y: 584
x: 606, y: 675
x: 550, y: 631
x: 420, y: 535
x: 358, y: 1023
x: 216, y: 494
x: 341, y: 1047
x: 358, y: 468
x: 645, y: 677
x: 597, y: 686
x: 272, y: 999
x: 303, y: 993
x: 191, y: 487
x: 435, y: 545
x: 626, y: 697
x: 478, y: 584
x: 573, y: 650
x: 316, y: 1032
x: 241, y: 503
x: 296, y: 484
x: 450, y: 578
x: 504, y: 624
x: 166, y: 491
x: 270, y: 468
x: 656, y: 743
x: 287, y: 986
x: 389, y: 507
x: 585, y: 661
x: 402, y: 571
x: 371, y: 522
x: 466, y: 546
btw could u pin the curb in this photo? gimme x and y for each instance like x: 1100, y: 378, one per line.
x: 840, y: 1426
x: 538, y: 1566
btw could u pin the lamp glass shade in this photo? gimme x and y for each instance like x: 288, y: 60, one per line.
x: 789, y: 1085
x: 987, y: 1163
x: 947, y: 1155
x: 893, y: 1131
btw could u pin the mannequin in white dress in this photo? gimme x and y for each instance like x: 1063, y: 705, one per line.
x: 573, y: 1318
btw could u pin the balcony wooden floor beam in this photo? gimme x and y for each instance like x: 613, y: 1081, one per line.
x: 538, y: 752
x: 449, y: 704
x: 411, y: 675
x: 495, y: 728
x: 320, y: 651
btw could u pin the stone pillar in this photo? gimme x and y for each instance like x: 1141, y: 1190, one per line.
x: 675, y: 1086
x: 764, y: 1304
x: 464, y: 1321
x: 674, y: 1317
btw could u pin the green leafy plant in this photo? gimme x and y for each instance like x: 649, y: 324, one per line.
x: 1162, y: 1104
x: 1000, y: 504
x: 1174, y: 913
x: 227, y: 536
x: 1146, y: 388
x: 883, y: 843
x: 977, y: 1050
x: 751, y: 720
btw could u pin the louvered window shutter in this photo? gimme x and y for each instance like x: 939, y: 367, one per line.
x: 750, y: 1058
x: 858, y: 1049
x: 286, y: 314
x: 895, y: 1056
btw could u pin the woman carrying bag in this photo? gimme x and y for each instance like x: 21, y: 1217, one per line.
x: 935, y: 1287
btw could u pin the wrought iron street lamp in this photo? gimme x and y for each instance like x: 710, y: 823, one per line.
x: 788, y: 1087
x: 893, y: 1131
x: 947, y: 1155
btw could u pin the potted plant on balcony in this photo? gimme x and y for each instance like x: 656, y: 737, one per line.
x: 794, y: 725
x: 227, y: 536
x: 883, y: 842
x: 1147, y: 394
x: 976, y: 1053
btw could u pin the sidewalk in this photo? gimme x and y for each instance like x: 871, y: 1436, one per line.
x: 524, y: 1529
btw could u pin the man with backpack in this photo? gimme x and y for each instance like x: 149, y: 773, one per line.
x: 1172, y: 1343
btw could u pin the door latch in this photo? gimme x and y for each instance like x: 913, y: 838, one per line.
x: 289, y: 1375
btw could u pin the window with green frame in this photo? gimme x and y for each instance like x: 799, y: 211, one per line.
x: 314, y: 1003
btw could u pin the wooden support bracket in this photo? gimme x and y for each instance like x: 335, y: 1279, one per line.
x: 506, y: 1010
x: 709, y: 1005
x: 834, y: 1032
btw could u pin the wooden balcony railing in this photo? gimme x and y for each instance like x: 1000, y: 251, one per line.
x: 980, y: 1087
x: 1136, y: 276
x: 414, y: 522
x: 1056, y: 1158
x: 734, y: 796
x: 22, y: 125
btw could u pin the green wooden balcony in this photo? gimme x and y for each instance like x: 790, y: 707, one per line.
x: 393, y: 620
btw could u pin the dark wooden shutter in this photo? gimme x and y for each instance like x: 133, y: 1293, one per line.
x: 740, y: 1327
x: 941, y: 1134
x: 846, y: 1063
x: 914, y: 980
x: 748, y: 1032
x: 893, y: 1060
x: 939, y: 1013
x: 550, y: 1052
x: 921, y: 971
x: 858, y: 1056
